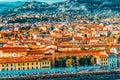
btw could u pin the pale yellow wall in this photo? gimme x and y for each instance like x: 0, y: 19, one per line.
x: 45, y: 64
x: 7, y: 66
x: 28, y: 65
x: 104, y: 61
x: 25, y: 66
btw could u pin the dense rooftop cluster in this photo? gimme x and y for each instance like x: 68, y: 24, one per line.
x: 32, y: 40
x: 55, y: 40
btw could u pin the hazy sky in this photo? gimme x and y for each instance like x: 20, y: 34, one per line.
x: 36, y: 0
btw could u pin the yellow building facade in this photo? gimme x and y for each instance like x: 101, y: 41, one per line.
x: 102, y: 59
x: 45, y: 64
x: 9, y: 64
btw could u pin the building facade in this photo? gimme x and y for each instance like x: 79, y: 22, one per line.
x: 102, y: 59
x: 112, y: 60
x: 24, y: 63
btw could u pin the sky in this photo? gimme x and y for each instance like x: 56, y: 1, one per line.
x: 48, y: 1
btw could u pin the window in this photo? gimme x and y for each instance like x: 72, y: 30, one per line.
x: 32, y: 63
x: 36, y: 67
x: 36, y: 63
x: 32, y: 67
x: 11, y: 68
x: 23, y: 64
x: 18, y: 68
x: 19, y: 64
x: 23, y: 68
x: 27, y: 67
x: 45, y: 67
x: 11, y: 64
x: 6, y: 69
x: 2, y: 65
x: 7, y: 65
x: 47, y: 62
x: 27, y: 63
x: 3, y: 69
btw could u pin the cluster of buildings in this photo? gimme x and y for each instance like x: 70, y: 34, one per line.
x: 24, y: 63
x: 108, y: 60
x: 21, y: 58
x: 35, y: 46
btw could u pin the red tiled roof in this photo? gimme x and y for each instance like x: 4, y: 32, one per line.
x: 118, y: 54
x: 19, y: 59
x: 13, y: 49
x: 101, y: 55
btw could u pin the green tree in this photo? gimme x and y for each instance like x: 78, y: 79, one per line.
x: 93, y: 60
x: 59, y: 62
x: 70, y: 62
x: 83, y: 61
x: 87, y: 60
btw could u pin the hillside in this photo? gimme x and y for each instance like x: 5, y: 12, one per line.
x: 70, y: 8
x: 5, y: 6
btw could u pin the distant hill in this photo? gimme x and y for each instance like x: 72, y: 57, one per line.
x: 74, y: 7
x: 5, y: 6
x: 69, y: 6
